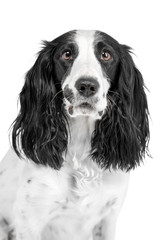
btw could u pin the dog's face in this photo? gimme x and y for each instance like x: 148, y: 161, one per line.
x: 85, y: 63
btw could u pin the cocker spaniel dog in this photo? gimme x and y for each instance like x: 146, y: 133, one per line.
x: 82, y: 126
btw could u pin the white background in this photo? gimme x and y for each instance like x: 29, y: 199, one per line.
x: 23, y: 24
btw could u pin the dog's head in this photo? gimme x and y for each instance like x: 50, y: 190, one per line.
x: 90, y: 62
x: 85, y: 73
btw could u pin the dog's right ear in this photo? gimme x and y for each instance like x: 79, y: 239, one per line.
x: 39, y: 131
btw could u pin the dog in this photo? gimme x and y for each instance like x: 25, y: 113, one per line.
x: 81, y: 128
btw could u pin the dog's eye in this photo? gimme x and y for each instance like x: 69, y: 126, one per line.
x: 105, y: 55
x: 67, y: 55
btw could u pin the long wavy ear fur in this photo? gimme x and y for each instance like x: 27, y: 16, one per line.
x: 121, y: 138
x: 39, y: 132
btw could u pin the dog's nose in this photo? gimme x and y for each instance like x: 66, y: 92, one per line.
x: 87, y: 87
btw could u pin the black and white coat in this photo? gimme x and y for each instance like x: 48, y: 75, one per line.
x: 82, y: 126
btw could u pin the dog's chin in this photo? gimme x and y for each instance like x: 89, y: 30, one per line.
x: 84, y: 109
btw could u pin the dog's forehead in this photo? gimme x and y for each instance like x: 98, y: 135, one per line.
x: 79, y: 36
x: 85, y: 41
x: 90, y: 38
x: 85, y: 38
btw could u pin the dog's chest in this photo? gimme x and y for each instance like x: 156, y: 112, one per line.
x: 73, y: 200
x: 85, y: 203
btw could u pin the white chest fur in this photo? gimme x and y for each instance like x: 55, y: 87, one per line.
x: 70, y: 201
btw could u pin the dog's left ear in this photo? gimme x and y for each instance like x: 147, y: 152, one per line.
x: 121, y: 137
x: 133, y: 88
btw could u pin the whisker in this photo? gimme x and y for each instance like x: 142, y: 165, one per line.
x: 109, y: 106
x: 113, y: 102
x: 57, y: 84
x: 114, y: 93
x: 57, y: 94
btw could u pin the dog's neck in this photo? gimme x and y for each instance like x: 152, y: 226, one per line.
x: 81, y: 129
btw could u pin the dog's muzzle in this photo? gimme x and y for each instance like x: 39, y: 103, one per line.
x: 83, y: 98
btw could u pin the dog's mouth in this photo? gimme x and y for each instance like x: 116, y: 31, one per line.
x: 84, y: 108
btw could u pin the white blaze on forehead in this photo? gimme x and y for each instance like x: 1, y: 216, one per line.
x: 85, y: 40
x: 86, y: 62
